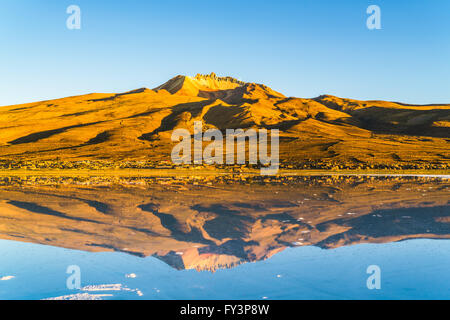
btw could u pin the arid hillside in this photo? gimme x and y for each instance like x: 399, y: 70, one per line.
x: 137, y: 125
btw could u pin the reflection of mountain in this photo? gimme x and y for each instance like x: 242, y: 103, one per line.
x: 214, y: 225
x: 137, y: 125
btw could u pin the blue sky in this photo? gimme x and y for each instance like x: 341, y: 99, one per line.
x: 301, y: 48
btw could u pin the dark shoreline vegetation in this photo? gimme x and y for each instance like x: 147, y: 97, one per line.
x: 135, y: 164
x: 212, y: 180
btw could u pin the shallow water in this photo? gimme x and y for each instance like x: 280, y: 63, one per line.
x: 204, y: 238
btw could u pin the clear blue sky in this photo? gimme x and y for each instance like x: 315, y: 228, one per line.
x: 301, y: 48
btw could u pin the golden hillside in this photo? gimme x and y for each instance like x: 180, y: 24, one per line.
x: 137, y: 125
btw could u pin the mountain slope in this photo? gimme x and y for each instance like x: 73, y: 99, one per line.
x: 137, y: 125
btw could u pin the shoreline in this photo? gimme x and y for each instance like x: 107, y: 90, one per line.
x: 445, y: 174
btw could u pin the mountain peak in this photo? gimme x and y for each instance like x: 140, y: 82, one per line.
x: 213, y: 77
x: 213, y: 87
x: 195, y: 86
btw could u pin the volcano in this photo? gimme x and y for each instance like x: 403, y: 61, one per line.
x: 137, y: 125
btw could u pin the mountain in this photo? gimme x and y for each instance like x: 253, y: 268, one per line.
x: 212, y: 87
x: 137, y: 125
x: 209, y: 224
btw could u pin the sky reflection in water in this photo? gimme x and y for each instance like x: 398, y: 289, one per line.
x: 306, y: 238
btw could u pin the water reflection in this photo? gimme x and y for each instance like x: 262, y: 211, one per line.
x: 207, y: 223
